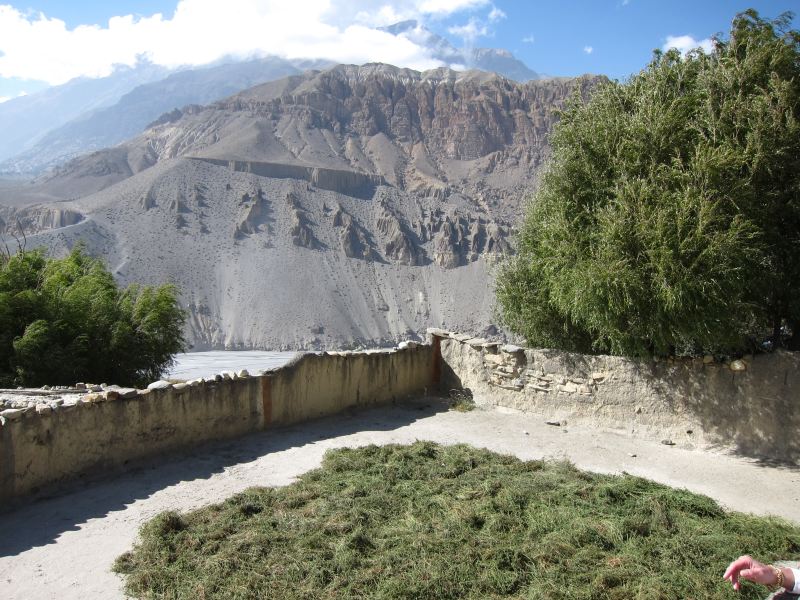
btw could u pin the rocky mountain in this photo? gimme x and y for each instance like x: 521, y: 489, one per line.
x: 498, y: 60
x: 337, y: 207
x: 109, y: 125
x: 25, y: 120
x: 493, y: 60
x: 44, y: 130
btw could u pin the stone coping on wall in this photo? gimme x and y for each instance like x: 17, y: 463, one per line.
x: 21, y: 402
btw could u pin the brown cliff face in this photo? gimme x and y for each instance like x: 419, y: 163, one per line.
x: 350, y: 129
x: 461, y: 116
x: 433, y: 133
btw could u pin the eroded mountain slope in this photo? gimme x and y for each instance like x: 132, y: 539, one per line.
x: 358, y: 204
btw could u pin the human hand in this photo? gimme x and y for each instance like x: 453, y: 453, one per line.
x: 746, y: 567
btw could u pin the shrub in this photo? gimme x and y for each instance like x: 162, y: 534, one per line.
x: 65, y: 320
x: 669, y: 219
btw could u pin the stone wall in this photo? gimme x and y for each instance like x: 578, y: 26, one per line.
x: 46, y: 443
x: 751, y: 405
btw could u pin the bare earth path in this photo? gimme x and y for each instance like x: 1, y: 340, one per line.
x: 63, y: 547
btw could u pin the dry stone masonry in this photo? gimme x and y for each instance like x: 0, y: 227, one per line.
x: 749, y: 405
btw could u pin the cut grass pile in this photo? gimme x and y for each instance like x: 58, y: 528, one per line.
x: 429, y: 521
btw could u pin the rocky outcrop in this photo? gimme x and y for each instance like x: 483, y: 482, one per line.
x: 175, y: 114
x: 351, y: 129
x: 301, y: 232
x: 35, y: 219
x: 253, y: 214
x: 496, y: 241
x: 350, y: 183
x: 356, y: 241
x: 486, y: 237
x: 178, y: 204
x: 199, y: 193
x: 449, y: 243
x: 148, y: 200
x: 460, y: 116
x: 459, y: 239
x: 293, y: 201
x: 401, y: 245
x: 111, y: 162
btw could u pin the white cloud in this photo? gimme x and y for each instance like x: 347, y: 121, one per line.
x: 35, y: 46
x: 377, y: 13
x: 685, y: 43
x: 475, y: 27
x: 496, y: 15
x: 381, y: 16
x: 528, y: 39
x: 4, y: 99
x: 469, y: 31
x: 588, y: 49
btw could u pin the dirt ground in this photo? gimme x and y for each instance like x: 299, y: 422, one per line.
x: 62, y: 547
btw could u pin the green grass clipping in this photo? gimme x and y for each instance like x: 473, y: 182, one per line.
x: 429, y: 521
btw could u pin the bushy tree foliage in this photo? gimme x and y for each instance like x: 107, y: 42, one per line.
x: 669, y: 218
x: 65, y: 320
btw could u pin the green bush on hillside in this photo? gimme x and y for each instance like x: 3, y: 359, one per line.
x: 669, y: 219
x: 65, y: 320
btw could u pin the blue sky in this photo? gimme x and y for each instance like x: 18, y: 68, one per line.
x: 45, y: 42
x: 622, y: 35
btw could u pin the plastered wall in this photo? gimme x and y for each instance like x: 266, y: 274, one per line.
x: 44, y: 444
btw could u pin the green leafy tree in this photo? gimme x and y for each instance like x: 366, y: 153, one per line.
x: 65, y: 320
x: 669, y: 218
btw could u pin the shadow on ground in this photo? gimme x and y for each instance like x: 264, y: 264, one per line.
x: 42, y: 520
